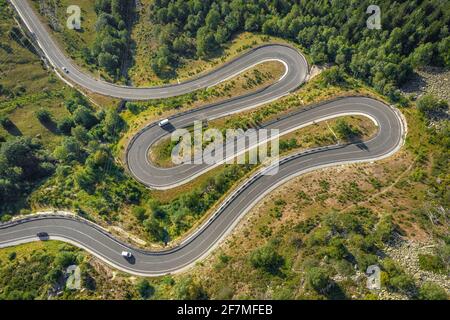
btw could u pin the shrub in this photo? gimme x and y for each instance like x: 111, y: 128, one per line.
x: 431, y: 106
x: 12, y: 256
x: 431, y: 291
x: 267, y: 259
x: 395, y: 279
x: 431, y: 263
x: 5, y: 217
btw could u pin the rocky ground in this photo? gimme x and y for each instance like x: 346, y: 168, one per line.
x: 429, y: 80
x: 406, y: 253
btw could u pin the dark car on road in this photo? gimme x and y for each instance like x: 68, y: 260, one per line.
x: 43, y: 236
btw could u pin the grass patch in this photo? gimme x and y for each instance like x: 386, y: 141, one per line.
x: 74, y: 42
x: 26, y: 86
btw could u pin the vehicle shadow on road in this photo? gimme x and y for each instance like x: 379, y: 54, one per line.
x: 169, y: 128
x: 131, y: 260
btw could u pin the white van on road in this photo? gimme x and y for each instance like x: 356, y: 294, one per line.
x: 164, y: 122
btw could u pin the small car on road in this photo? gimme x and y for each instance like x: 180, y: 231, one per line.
x: 43, y: 236
x: 126, y: 254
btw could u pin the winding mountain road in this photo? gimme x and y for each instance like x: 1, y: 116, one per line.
x: 389, y: 139
x: 297, y: 67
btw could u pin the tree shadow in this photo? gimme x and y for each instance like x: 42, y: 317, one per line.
x: 13, y: 130
x: 215, y: 54
x: 51, y: 126
x: 335, y: 292
x: 168, y: 74
x: 415, y: 83
x: 361, y: 145
x: 22, y: 40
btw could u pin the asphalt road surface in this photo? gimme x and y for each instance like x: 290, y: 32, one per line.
x: 387, y: 141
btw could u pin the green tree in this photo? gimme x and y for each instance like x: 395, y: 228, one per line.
x: 65, y: 259
x: 84, y: 116
x: 189, y: 289
x: 81, y: 134
x: 112, y: 124
x: 44, y: 115
x: 344, y: 130
x: 145, y: 289
x: 397, y: 279
x: 21, y: 159
x: 65, y: 125
x: 222, y: 35
x: 206, y: 42
x: 423, y: 55
x: 181, y: 44
x: 334, y: 76
x: 212, y: 19
x: 5, y: 122
x: 140, y: 213
x: 317, y: 279
x: 69, y: 150
x: 155, y: 230
x: 161, y: 63
x: 444, y: 53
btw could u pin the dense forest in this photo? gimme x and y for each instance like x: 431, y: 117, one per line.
x: 414, y: 33
x: 23, y: 161
x: 110, y: 50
